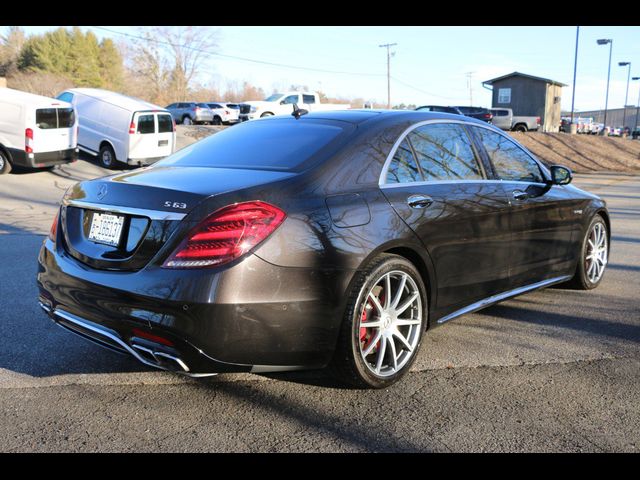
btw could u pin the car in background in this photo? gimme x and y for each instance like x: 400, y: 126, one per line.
x: 439, y: 108
x: 335, y: 239
x: 479, y: 113
x: 119, y: 129
x: 189, y: 113
x: 226, y: 113
x: 565, y: 124
x: 635, y: 133
x: 505, y: 119
x: 35, y: 131
x: 245, y: 110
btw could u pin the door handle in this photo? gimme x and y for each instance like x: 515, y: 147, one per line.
x: 419, y: 201
x: 520, y: 195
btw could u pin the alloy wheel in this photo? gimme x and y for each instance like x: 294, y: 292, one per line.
x: 390, y: 323
x: 596, y: 252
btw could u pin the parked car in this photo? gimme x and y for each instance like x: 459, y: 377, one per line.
x: 189, y: 113
x: 121, y: 129
x: 635, y: 133
x: 35, y: 131
x: 282, y: 104
x: 334, y: 239
x: 245, y: 111
x: 565, y: 124
x: 224, y: 112
x: 440, y: 108
x: 477, y: 112
x: 505, y: 119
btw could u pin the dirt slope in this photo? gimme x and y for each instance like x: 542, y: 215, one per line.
x: 584, y: 153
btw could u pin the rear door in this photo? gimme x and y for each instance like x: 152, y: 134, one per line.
x: 143, y: 142
x: 54, y: 129
x: 542, y: 218
x: 501, y: 119
x: 166, y: 134
x: 437, y: 183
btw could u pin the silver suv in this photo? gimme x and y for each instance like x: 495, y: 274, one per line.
x: 190, y: 112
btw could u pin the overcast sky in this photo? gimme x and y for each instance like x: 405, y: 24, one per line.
x: 429, y: 65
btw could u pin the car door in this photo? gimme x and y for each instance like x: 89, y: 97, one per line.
x: 437, y: 183
x: 542, y: 220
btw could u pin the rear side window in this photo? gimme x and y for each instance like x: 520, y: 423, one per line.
x: 65, y: 97
x: 165, y: 124
x: 48, y: 118
x: 146, y: 124
x: 509, y: 160
x: 214, y: 105
x: 444, y: 152
x: 272, y: 145
x: 403, y: 168
x: 203, y: 105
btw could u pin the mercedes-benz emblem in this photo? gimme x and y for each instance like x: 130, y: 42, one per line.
x: 102, y: 191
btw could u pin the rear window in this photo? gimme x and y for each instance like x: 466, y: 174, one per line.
x: 165, y: 123
x: 48, y: 118
x: 146, y: 124
x: 263, y: 145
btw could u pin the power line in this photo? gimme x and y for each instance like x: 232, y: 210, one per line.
x: 233, y: 57
x: 422, y: 91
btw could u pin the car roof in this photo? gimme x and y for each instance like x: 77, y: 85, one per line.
x: 114, y: 98
x: 31, y: 99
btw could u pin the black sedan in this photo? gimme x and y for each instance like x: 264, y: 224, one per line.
x: 335, y: 239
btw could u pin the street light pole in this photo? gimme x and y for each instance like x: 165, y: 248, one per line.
x: 387, y: 46
x: 575, y: 69
x: 637, y: 106
x: 626, y: 95
x: 604, y: 41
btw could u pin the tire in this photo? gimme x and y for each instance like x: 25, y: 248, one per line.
x: 217, y: 120
x: 186, y: 120
x: 266, y: 114
x: 361, y: 360
x: 5, y: 164
x: 520, y: 128
x: 588, y: 277
x: 107, y: 157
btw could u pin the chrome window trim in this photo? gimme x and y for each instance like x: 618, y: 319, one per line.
x: 142, y: 212
x: 502, y: 296
x: 382, y: 180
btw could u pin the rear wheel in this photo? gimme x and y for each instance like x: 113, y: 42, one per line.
x: 594, y: 256
x: 383, y: 324
x: 217, y: 120
x: 520, y: 128
x: 107, y: 156
x: 5, y: 165
x: 186, y: 120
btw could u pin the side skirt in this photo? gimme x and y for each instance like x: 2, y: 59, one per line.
x: 503, y: 296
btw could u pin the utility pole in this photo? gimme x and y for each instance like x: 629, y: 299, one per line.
x: 388, y: 46
x: 575, y: 69
x: 469, y: 74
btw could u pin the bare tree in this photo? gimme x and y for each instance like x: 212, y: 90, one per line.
x: 11, y: 44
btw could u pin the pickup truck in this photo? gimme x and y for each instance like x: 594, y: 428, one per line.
x: 503, y: 118
x: 282, y: 104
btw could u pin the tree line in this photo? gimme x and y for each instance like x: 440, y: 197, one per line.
x: 160, y: 65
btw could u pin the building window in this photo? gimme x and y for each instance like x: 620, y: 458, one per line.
x: 504, y: 95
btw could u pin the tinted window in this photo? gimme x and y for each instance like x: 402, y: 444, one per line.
x: 233, y: 105
x: 273, y: 145
x: 146, y: 124
x: 499, y: 113
x: 509, y: 160
x: 165, y: 123
x: 214, y: 105
x: 46, y: 118
x: 291, y: 99
x: 203, y: 105
x: 66, y: 117
x: 65, y: 97
x: 308, y: 99
x: 444, y: 152
x: 403, y: 168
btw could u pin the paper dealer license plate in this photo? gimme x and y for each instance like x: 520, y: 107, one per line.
x: 106, y: 228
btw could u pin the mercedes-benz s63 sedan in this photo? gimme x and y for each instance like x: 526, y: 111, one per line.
x: 335, y: 239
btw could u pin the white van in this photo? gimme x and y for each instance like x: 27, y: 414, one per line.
x: 35, y: 131
x: 119, y: 128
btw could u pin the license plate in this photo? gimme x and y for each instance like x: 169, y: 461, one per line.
x: 106, y: 228
x: 163, y: 143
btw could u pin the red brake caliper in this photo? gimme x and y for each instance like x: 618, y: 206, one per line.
x: 365, y: 337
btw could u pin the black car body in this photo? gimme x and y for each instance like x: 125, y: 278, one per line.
x: 480, y: 113
x: 339, y: 190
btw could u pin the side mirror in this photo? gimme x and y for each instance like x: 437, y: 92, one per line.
x: 560, y: 175
x: 283, y: 102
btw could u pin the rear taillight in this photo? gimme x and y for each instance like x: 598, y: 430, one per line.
x: 197, y: 109
x: 488, y: 115
x: 28, y: 140
x: 132, y: 128
x: 54, y: 228
x: 226, y: 234
x: 174, y: 123
x: 538, y: 120
x: 226, y: 112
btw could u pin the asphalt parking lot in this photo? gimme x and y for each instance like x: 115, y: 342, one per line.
x: 554, y: 370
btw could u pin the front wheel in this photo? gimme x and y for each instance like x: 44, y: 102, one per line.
x: 5, y: 165
x: 594, y: 256
x: 383, y: 325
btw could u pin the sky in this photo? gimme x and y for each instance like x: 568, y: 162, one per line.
x: 429, y: 64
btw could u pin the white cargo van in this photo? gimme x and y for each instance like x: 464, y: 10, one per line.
x: 35, y: 131
x: 119, y: 128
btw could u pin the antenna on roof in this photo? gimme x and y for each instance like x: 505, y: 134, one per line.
x: 298, y: 112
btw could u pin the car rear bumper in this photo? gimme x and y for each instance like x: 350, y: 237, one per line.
x: 43, y: 159
x: 253, y: 316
